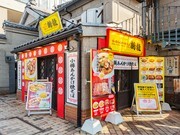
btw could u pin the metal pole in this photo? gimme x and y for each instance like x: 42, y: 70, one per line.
x: 169, y: 24
x: 157, y: 18
x: 162, y: 24
x: 144, y: 17
x: 175, y: 10
x: 79, y: 82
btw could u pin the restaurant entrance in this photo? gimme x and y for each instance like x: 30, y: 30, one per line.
x: 124, y: 81
x: 47, y: 69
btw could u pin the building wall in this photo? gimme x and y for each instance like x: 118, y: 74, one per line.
x: 15, y: 37
x: 2, y: 18
x: 125, y: 13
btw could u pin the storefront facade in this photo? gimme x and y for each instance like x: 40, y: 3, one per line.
x: 65, y: 61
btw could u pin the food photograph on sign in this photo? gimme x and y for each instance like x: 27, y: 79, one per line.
x: 152, y: 71
x: 102, y: 82
x: 31, y: 69
x: 39, y: 95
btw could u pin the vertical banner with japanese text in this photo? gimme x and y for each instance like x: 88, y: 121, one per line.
x: 19, y: 75
x: 102, y: 83
x: 71, y: 95
x: 151, y: 70
x: 147, y: 98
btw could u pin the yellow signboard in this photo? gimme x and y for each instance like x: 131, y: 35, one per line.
x: 125, y: 44
x: 147, y: 98
x: 51, y: 24
x: 151, y: 70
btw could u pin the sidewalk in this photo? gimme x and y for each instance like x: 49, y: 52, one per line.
x: 14, y: 121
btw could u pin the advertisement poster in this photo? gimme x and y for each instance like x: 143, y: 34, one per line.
x: 31, y: 69
x: 102, y: 83
x: 125, y: 44
x: 151, y: 70
x: 71, y: 96
x: 146, y: 97
x: 19, y: 75
x: 172, y: 66
x: 176, y: 83
x: 39, y: 96
x: 125, y: 63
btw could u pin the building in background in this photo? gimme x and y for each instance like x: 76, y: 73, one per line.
x: 161, y: 23
x: 19, y: 24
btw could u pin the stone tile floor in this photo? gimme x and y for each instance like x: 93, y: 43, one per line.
x: 14, y: 121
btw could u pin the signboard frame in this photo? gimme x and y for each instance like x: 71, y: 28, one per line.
x: 38, y: 110
x: 136, y: 98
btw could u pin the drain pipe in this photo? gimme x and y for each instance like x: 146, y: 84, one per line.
x: 79, y: 80
x: 144, y: 17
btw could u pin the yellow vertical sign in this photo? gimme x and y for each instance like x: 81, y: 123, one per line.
x: 51, y: 24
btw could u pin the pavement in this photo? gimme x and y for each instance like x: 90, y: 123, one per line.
x: 14, y: 121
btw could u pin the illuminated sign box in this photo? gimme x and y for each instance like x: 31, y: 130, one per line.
x: 125, y: 44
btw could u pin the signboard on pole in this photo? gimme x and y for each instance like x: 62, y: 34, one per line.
x: 151, y: 70
x: 39, y: 96
x: 72, y: 87
x: 102, y: 83
x: 51, y: 24
x: 147, y: 98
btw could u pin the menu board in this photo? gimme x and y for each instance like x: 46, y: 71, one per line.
x: 39, y: 96
x: 172, y: 66
x: 147, y: 98
x: 31, y: 69
x: 151, y: 70
x: 102, y: 82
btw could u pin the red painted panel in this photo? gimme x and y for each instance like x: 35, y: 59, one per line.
x: 60, y: 86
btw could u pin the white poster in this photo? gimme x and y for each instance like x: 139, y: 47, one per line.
x: 19, y: 75
x: 125, y: 63
x: 71, y: 96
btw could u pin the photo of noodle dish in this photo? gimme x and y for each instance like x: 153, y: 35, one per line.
x: 103, y: 65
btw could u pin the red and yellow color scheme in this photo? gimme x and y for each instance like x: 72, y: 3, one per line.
x: 124, y: 44
x: 51, y: 49
x: 102, y: 83
x: 51, y: 24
